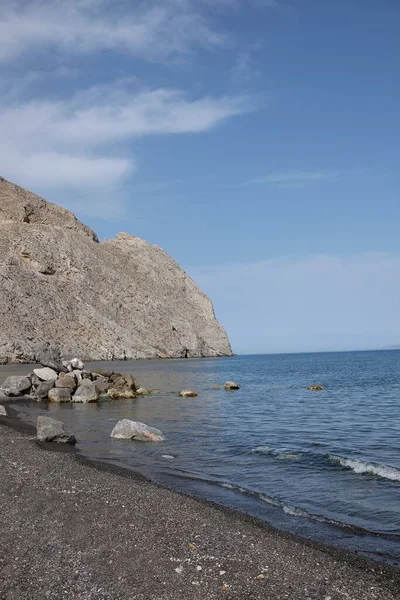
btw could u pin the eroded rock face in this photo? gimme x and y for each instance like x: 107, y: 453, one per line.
x: 50, y: 430
x: 133, y: 430
x: 123, y: 299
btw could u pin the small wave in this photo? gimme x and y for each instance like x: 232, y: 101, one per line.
x: 281, y: 453
x: 294, y: 511
x: 367, y: 468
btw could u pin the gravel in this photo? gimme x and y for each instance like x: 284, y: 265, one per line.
x: 74, y: 529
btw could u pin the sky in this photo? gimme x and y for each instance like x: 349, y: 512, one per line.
x: 257, y: 141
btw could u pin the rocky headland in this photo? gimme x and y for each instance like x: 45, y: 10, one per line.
x: 121, y: 299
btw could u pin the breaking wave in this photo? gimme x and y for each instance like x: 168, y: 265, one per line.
x: 367, y: 468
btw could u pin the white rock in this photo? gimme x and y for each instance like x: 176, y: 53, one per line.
x: 77, y: 364
x: 3, y: 412
x: 133, y: 430
x: 46, y: 374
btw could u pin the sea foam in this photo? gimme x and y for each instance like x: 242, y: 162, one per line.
x: 369, y: 468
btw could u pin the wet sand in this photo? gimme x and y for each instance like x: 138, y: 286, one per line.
x: 71, y: 528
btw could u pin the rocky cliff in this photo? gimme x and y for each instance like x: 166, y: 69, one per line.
x: 121, y: 299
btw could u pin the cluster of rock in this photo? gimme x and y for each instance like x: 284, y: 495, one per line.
x: 68, y: 381
x: 316, y: 388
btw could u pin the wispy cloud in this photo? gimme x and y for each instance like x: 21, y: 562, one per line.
x: 77, y: 141
x: 153, y: 30
x: 295, y: 179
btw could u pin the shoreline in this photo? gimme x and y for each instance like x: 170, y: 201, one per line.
x: 317, y: 571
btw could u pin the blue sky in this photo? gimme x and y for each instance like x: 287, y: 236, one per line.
x: 257, y: 142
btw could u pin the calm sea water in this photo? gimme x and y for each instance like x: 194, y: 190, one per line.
x: 322, y: 464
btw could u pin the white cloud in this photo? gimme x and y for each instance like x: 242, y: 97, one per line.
x: 295, y: 179
x: 77, y: 141
x: 314, y: 303
x: 152, y: 30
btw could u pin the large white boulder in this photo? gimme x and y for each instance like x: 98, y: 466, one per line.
x: 133, y: 430
x: 46, y: 374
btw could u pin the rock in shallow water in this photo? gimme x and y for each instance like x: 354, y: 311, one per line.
x: 43, y: 389
x: 50, y: 430
x: 231, y: 385
x: 15, y: 386
x: 45, y: 374
x: 60, y: 395
x: 133, y: 430
x: 188, y: 394
x: 86, y: 392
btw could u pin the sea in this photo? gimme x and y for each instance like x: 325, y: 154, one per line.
x: 321, y: 464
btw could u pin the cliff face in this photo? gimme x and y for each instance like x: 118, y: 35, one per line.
x: 121, y: 299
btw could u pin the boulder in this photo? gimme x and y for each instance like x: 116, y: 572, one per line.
x: 50, y: 356
x: 45, y: 374
x: 73, y: 364
x: 59, y: 395
x: 3, y: 412
x: 315, y: 388
x: 50, y: 430
x: 133, y: 430
x: 77, y: 364
x: 43, y: 389
x: 102, y: 385
x: 86, y: 392
x: 16, y: 386
x: 231, y: 385
x: 188, y: 394
x: 67, y: 380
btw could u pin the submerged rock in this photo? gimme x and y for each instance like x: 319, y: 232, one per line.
x: 86, y: 392
x: 316, y: 388
x: 143, y: 392
x: 188, y: 394
x: 59, y: 395
x: 45, y: 374
x: 133, y: 430
x: 16, y: 386
x: 50, y: 430
x: 231, y: 385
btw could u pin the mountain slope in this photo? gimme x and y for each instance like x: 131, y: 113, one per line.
x: 121, y: 299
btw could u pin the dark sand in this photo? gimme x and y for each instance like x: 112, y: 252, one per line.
x: 70, y: 529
